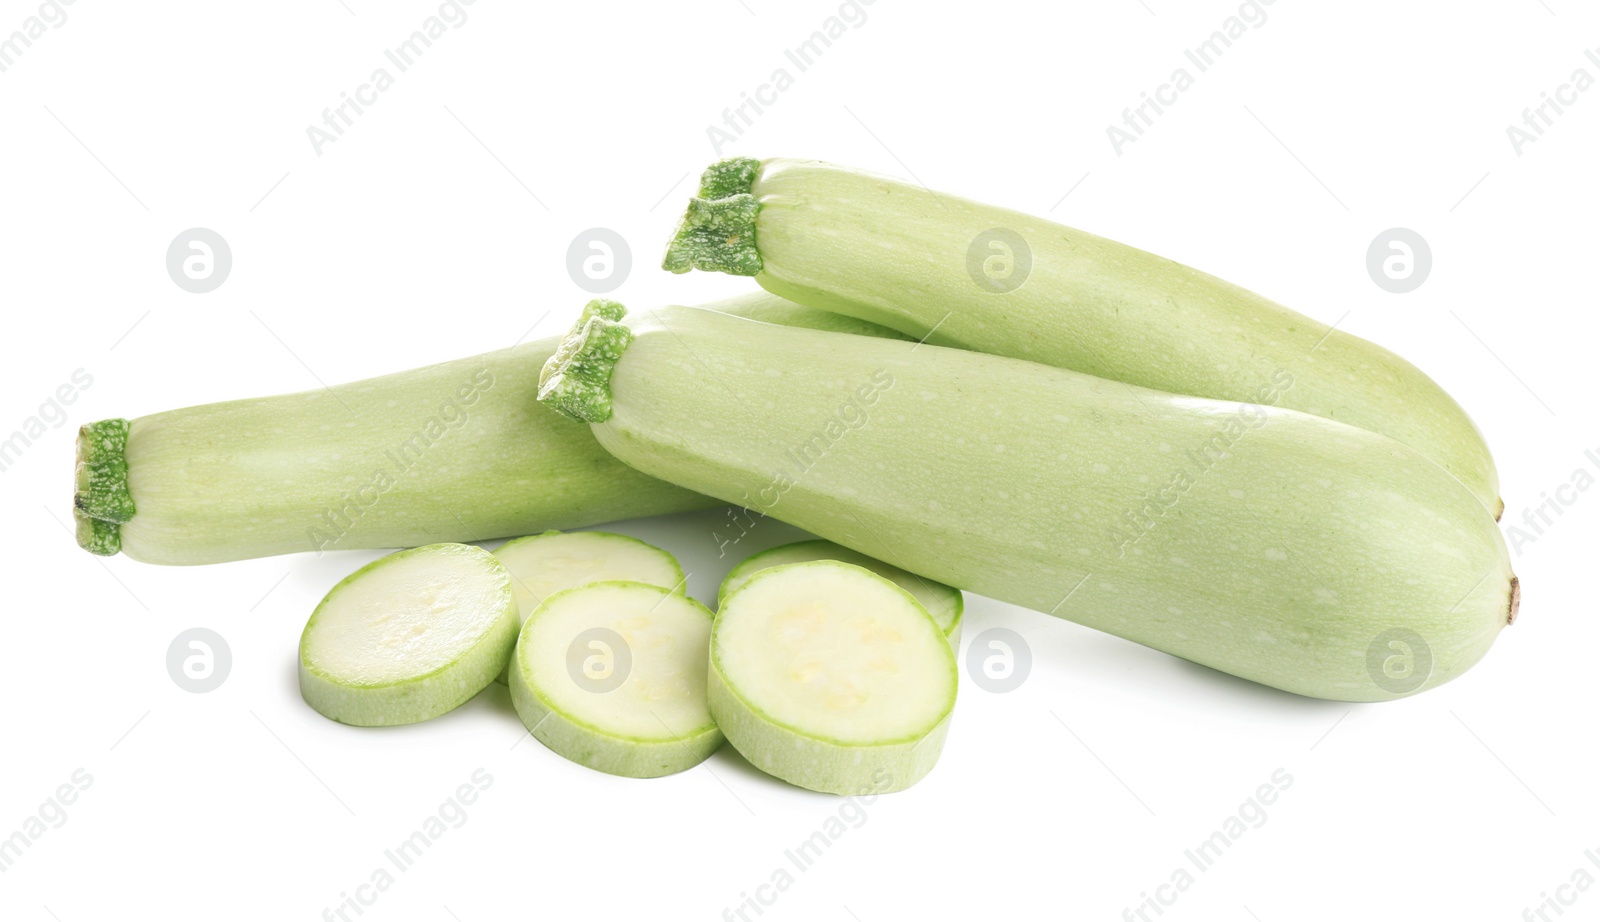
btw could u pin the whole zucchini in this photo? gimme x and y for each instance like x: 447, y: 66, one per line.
x: 994, y: 280
x: 458, y: 451
x: 1282, y: 547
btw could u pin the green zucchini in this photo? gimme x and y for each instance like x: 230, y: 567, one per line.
x: 1274, y: 545
x: 451, y: 452
x: 832, y: 678
x: 994, y: 280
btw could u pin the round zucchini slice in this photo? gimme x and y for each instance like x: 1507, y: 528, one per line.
x: 832, y: 678
x: 612, y: 675
x: 944, y: 603
x: 543, y: 565
x: 409, y: 636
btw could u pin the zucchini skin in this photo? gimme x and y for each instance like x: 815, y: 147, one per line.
x: 1289, y: 558
x: 458, y: 451
x: 451, y: 452
x: 896, y: 254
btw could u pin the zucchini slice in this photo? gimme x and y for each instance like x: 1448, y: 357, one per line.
x: 832, y: 678
x: 943, y: 602
x: 408, y: 637
x: 612, y: 675
x: 543, y: 565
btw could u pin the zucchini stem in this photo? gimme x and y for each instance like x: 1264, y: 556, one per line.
x: 733, y: 176
x: 718, y: 231
x: 576, y: 382
x: 102, y: 501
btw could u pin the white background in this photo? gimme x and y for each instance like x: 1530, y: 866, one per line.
x: 437, y: 227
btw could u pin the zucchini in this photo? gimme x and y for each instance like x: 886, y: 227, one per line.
x: 994, y: 280
x: 942, y: 602
x: 1271, y: 544
x: 409, y: 636
x: 832, y: 678
x: 612, y: 675
x: 543, y: 565
x: 451, y: 452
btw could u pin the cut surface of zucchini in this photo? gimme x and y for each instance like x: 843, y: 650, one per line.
x: 832, y: 678
x: 409, y: 636
x: 543, y: 565
x: 943, y: 602
x: 612, y: 675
